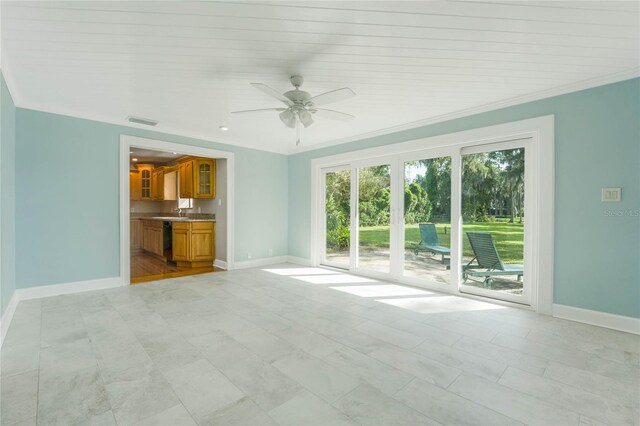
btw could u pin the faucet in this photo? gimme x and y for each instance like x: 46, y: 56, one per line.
x: 179, y: 210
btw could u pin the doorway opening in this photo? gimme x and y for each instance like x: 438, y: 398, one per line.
x: 176, y: 210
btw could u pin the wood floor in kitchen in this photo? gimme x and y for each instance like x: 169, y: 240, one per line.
x: 145, y: 267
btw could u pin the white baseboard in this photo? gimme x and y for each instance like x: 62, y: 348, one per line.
x: 52, y: 290
x: 8, y: 316
x: 67, y: 288
x: 220, y: 264
x: 254, y: 263
x: 602, y: 319
x: 299, y: 261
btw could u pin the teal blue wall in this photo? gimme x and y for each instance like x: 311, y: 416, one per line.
x: 7, y: 195
x: 67, y: 198
x: 597, y: 136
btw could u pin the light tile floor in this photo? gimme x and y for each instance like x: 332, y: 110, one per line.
x: 290, y: 345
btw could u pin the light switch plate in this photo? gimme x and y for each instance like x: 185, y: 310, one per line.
x: 611, y: 195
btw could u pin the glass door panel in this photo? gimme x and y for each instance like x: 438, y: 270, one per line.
x: 337, y: 218
x: 493, y: 224
x: 374, y: 218
x: 427, y: 219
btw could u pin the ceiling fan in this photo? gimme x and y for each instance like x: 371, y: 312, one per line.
x: 301, y: 106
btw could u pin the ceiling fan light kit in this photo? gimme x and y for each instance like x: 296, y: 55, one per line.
x: 301, y: 106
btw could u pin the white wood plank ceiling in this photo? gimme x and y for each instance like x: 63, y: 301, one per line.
x: 187, y: 65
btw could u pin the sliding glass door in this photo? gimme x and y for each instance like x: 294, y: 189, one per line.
x: 336, y: 233
x: 453, y: 218
x: 427, y: 219
x: 494, y: 232
x: 374, y: 218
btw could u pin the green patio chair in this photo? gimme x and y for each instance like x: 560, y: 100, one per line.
x: 429, y: 241
x: 488, y: 260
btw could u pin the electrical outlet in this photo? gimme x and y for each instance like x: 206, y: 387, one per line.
x: 270, y: 252
x: 248, y: 255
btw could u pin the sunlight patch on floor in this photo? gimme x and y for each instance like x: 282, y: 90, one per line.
x: 333, y: 279
x: 301, y: 271
x: 381, y: 290
x: 441, y: 304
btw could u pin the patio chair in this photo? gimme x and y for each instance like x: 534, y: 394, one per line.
x: 429, y: 241
x: 488, y: 260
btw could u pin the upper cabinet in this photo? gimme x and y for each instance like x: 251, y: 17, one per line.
x: 186, y: 179
x: 205, y: 178
x: 197, y: 178
x: 134, y: 186
x: 143, y: 179
x: 157, y: 184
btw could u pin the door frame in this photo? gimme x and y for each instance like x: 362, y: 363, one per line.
x: 541, y: 132
x: 126, y: 143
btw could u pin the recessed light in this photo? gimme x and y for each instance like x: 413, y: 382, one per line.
x: 175, y: 153
x: 130, y: 152
x: 224, y: 128
x: 134, y: 159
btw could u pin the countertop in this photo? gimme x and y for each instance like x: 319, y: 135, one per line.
x: 174, y: 219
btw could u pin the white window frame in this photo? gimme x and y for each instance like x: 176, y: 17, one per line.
x: 541, y: 132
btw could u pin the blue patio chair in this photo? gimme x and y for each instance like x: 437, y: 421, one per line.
x: 429, y: 241
x: 488, y: 260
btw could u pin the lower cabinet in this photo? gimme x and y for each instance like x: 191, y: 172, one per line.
x: 136, y: 233
x: 193, y: 243
x: 181, y: 242
x: 152, y: 237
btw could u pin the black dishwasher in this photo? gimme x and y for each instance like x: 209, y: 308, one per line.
x: 167, y: 239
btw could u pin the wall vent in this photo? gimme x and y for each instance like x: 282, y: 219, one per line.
x: 145, y: 121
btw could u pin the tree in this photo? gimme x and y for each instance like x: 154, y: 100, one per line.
x: 437, y: 184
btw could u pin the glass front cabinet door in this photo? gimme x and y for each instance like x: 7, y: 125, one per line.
x: 145, y: 181
x: 205, y: 178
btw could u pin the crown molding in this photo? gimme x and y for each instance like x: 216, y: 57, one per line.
x: 518, y: 100
x: 160, y: 128
x: 176, y: 131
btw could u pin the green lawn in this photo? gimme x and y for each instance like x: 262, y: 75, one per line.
x: 508, y: 237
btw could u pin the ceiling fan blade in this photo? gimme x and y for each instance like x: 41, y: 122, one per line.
x: 272, y: 92
x: 333, y: 115
x: 305, y: 118
x: 257, y: 110
x: 332, y: 96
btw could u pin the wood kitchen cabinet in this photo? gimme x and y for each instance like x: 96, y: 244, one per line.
x: 186, y: 179
x: 157, y: 184
x: 135, y: 230
x: 152, y: 241
x: 135, y: 186
x: 142, y: 182
x: 193, y: 244
x: 197, y: 178
x: 181, y: 242
x: 204, y: 182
